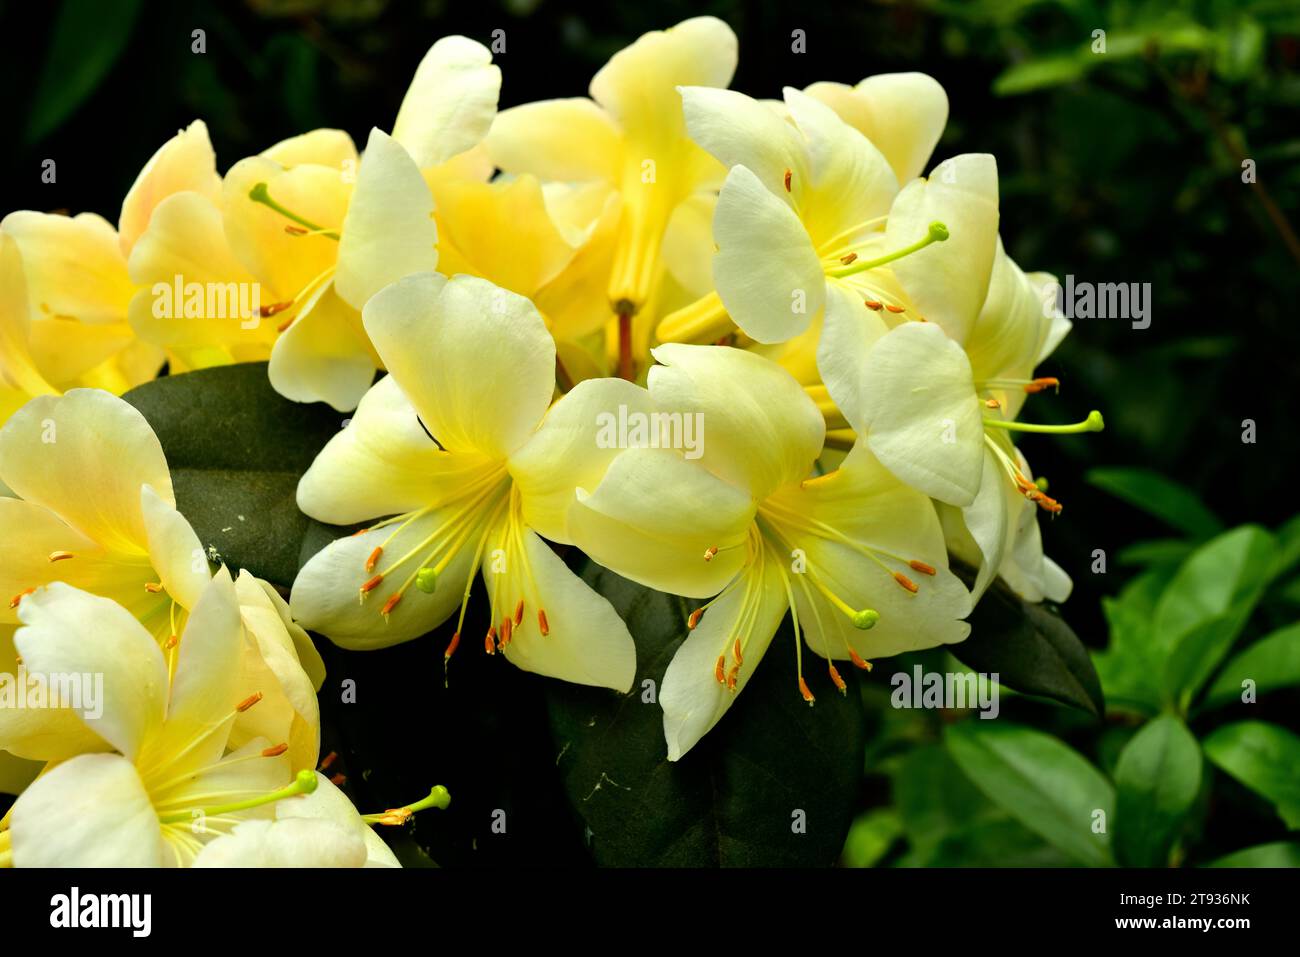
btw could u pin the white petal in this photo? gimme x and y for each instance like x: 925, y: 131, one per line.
x: 849, y: 331
x: 388, y: 232
x: 90, y: 811
x: 450, y: 102
x: 766, y: 271
x: 296, y: 842
x: 922, y: 418
x: 740, y: 131
x: 329, y: 803
x: 324, y: 356
x: 475, y: 359
x: 129, y: 703
x: 174, y: 549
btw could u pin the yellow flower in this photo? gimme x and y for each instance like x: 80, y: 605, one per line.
x: 855, y: 556
x: 457, y: 446
x: 166, y: 786
x: 631, y: 137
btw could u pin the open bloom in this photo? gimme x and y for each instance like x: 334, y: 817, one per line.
x: 457, y: 447
x: 855, y: 556
x: 630, y: 136
x: 94, y: 508
x: 162, y: 784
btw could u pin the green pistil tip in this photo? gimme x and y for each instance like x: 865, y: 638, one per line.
x: 306, y: 781
x: 866, y: 618
x: 1094, y: 422
x: 938, y: 232
x: 440, y: 798
x: 427, y: 580
x: 260, y: 193
x: 1041, y: 482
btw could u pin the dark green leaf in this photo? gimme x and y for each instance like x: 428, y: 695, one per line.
x: 236, y: 451
x: 1156, y: 781
x: 85, y: 45
x: 736, y: 798
x: 1131, y: 666
x: 1272, y: 662
x: 1265, y: 758
x: 871, y: 837
x: 1042, y: 783
x: 1156, y: 495
x: 1030, y: 648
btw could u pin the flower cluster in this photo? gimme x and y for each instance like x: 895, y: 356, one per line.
x: 732, y: 349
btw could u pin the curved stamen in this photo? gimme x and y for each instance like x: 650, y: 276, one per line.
x: 261, y: 194
x: 937, y: 233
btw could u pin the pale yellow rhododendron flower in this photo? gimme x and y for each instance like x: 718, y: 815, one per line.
x: 855, y: 556
x: 168, y: 784
x: 631, y: 136
x: 473, y: 365
x: 321, y: 829
x: 94, y: 507
x: 321, y: 235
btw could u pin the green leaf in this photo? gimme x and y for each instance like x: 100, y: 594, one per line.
x: 1046, y: 786
x: 1156, y: 780
x: 1165, y: 499
x: 1265, y: 758
x: 1276, y: 854
x: 773, y: 766
x: 1041, y: 73
x: 1207, y: 604
x: 1131, y: 666
x: 1271, y: 663
x: 1161, y: 551
x: 85, y: 45
x: 871, y: 837
x: 236, y: 451
x: 1030, y: 647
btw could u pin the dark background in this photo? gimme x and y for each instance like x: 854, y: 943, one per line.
x: 1117, y: 168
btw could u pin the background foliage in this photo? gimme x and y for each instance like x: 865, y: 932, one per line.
x: 1122, y: 167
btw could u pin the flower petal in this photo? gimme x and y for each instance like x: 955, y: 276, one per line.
x: 73, y: 265
x: 324, y: 355
x: 84, y: 456
x: 185, y: 163
x: 450, y: 103
x: 174, y: 549
x: 740, y: 131
x: 90, y: 811
x: 848, y: 334
x: 383, y: 463
x: 388, y: 232
x: 921, y: 416
x: 949, y: 280
x: 568, y: 140
x: 692, y: 698
x: 766, y: 271
x: 38, y: 734
x: 129, y: 704
x: 572, y: 448
x: 324, y: 147
x: 434, y: 337
x: 296, y: 842
x: 760, y: 429
x: 328, y: 803
x: 903, y: 114
x: 653, y: 518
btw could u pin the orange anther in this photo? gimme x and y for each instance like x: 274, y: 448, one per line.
x: 694, y: 620
x: 735, y: 651
x: 905, y: 582
x: 1038, y: 385
x: 835, y: 677
x: 371, y: 584
x: 329, y: 760
x: 339, y: 780
x: 507, y: 629
x: 489, y: 643
x: 393, y: 599
x: 803, y: 690
x: 248, y: 702
x: 873, y: 305
x: 276, y: 751
x: 373, y: 560
x: 895, y: 309
x: 788, y: 175
x: 452, y: 646
x: 849, y: 258
x: 543, y: 625
x: 171, y: 643
x: 992, y: 404
x: 921, y: 567
x: 13, y: 602
x: 153, y: 588
x: 720, y: 669
x: 60, y: 556
x: 267, y: 312
x: 859, y: 661
x: 710, y: 552
x: 519, y: 612
x: 295, y: 230
x: 732, y: 676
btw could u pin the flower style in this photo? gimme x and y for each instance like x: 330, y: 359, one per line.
x: 631, y: 136
x: 855, y: 556
x: 457, y: 446
x: 95, y: 509
x: 167, y: 785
